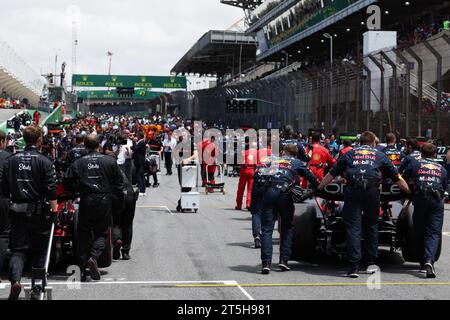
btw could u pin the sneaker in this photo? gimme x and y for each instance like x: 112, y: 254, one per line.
x: 116, y: 251
x: 237, y: 209
x: 156, y: 185
x: 257, y: 243
x: 353, y: 273
x: 370, y: 267
x: 125, y: 255
x: 35, y: 294
x: 265, y: 269
x: 83, y: 276
x: 14, y: 293
x: 95, y: 272
x: 142, y: 194
x: 431, y: 273
x: 283, y: 265
x: 422, y: 269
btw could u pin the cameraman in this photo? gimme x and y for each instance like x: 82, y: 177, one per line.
x: 169, y: 145
x: 124, y: 154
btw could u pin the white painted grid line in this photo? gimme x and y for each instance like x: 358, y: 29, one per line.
x: 156, y: 207
x: 69, y: 283
x: 235, y: 283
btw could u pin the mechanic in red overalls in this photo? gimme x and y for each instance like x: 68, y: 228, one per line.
x: 246, y: 176
x: 320, y: 158
x: 36, y: 116
x: 347, y: 144
x: 209, y: 152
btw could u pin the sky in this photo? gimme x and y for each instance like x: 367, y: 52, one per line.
x: 146, y: 37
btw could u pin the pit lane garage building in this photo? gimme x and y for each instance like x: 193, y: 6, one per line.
x: 340, y: 66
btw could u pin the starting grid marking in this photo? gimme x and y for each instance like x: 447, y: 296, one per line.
x: 232, y: 284
x: 315, y: 284
x: 156, y: 207
x: 168, y: 284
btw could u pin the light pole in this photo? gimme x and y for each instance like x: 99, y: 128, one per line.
x: 109, y: 54
x: 56, y: 64
x: 329, y: 36
x: 287, y: 56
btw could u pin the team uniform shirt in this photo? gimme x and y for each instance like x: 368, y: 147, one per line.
x: 262, y: 170
x: 284, y: 171
x: 320, y: 158
x: 250, y: 158
x: 76, y: 153
x: 208, y: 152
x: 365, y: 163
x: 344, y: 151
x: 29, y: 176
x: 302, y: 154
x: 395, y: 155
x: 410, y: 158
x: 263, y: 153
x: 96, y: 174
x: 427, y: 174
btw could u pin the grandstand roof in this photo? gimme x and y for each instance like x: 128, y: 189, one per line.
x: 218, y: 53
x: 244, y: 4
x: 346, y: 25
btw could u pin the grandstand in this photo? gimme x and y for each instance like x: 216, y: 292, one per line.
x: 218, y: 53
x: 318, y: 66
x: 18, y: 82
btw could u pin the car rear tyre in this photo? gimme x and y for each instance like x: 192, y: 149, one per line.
x: 410, y: 247
x: 305, y: 235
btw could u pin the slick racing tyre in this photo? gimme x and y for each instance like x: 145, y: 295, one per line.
x: 410, y: 247
x: 305, y: 234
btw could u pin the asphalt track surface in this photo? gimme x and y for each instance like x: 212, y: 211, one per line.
x: 210, y: 256
x: 6, y: 114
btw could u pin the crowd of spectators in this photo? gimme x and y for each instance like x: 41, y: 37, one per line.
x: 7, y: 102
x: 417, y: 31
x: 429, y: 106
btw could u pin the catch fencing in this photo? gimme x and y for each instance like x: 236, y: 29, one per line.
x: 404, y: 90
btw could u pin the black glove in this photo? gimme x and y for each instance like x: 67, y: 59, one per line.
x: 307, y: 195
x: 54, y: 217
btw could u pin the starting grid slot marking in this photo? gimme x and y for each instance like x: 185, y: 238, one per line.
x: 156, y: 207
x: 168, y: 284
x: 317, y: 284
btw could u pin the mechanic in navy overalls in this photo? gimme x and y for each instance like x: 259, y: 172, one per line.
x: 290, y: 139
x: 413, y: 154
x: 391, y: 150
x: 430, y: 182
x: 260, y: 178
x: 363, y: 169
x: 277, y: 200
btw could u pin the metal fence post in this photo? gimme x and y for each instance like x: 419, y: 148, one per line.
x: 419, y: 89
x: 408, y: 90
x: 392, y: 107
x: 381, y: 118
x: 439, y: 85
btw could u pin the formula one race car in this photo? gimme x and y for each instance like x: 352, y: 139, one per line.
x: 319, y: 226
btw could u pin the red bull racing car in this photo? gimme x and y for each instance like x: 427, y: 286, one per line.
x: 319, y: 227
